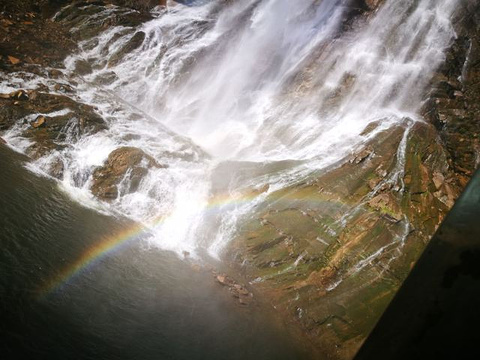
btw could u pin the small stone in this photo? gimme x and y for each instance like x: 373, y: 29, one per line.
x: 39, y: 121
x: 221, y: 279
x: 6, y: 22
x: 241, y: 290
x: 13, y: 60
x: 19, y: 95
x: 243, y: 301
x: 438, y: 180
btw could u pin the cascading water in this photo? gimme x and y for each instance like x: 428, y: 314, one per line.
x: 275, y: 89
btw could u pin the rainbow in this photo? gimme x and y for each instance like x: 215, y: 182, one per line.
x: 112, y: 244
x: 93, y: 255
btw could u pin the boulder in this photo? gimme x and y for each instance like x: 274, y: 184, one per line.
x: 122, y: 162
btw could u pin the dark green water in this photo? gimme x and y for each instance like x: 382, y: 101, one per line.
x: 132, y: 304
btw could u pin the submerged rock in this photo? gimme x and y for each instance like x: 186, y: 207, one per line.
x: 127, y: 163
x: 237, y: 290
x: 83, y: 67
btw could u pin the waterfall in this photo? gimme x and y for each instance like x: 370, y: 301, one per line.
x: 243, y: 97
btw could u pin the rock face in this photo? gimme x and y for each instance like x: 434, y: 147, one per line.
x: 332, y: 252
x: 453, y: 105
x: 123, y: 164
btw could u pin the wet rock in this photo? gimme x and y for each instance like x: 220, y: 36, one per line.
x: 19, y: 95
x: 57, y: 168
x: 88, y: 19
x: 387, y: 205
x: 316, y: 244
x: 362, y: 155
x: 134, y: 43
x: 106, y: 78
x: 453, y: 106
x: 124, y: 162
x: 55, y: 74
x: 64, y: 88
x: 237, y: 290
x: 224, y: 280
x: 373, y: 4
x: 83, y: 67
x: 16, y: 95
x: 49, y: 132
x: 39, y: 121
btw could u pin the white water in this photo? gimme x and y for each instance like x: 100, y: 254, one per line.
x: 258, y: 81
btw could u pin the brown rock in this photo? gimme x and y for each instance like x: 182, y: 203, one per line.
x: 362, y: 155
x: 222, y: 279
x: 386, y: 204
x: 119, y: 162
x: 83, y: 67
x: 13, y: 60
x: 134, y: 43
x: 39, y: 121
x: 48, y: 135
x: 438, y: 180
